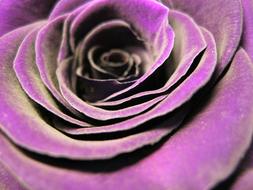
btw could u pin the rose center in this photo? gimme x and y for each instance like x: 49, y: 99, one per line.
x: 112, y: 54
x: 115, y: 58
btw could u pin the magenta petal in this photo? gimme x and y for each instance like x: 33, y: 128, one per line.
x: 47, y: 45
x: 244, y: 182
x: 201, y: 154
x: 223, y: 18
x: 29, y: 78
x: 247, y: 38
x: 147, y: 23
x: 244, y: 172
x: 214, y: 139
x: 16, y: 13
x: 66, y: 6
x: 7, y: 180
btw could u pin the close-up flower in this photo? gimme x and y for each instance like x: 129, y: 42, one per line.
x: 126, y: 94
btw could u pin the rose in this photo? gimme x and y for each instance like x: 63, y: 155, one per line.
x: 104, y: 94
x: 42, y: 60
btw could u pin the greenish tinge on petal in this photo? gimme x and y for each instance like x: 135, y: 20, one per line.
x: 28, y: 75
x: 47, y: 45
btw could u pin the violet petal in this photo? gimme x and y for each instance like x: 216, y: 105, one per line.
x: 172, y: 165
x: 16, y: 13
x: 223, y: 18
x: 66, y: 6
x: 8, y: 181
x: 47, y: 46
x: 29, y: 78
x: 247, y: 38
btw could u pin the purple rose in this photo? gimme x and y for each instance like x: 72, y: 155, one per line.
x: 126, y: 94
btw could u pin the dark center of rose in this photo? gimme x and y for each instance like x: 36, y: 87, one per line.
x: 113, y: 63
x: 111, y: 51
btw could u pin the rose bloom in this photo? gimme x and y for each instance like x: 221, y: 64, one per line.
x: 126, y: 94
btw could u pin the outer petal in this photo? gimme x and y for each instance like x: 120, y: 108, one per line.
x: 222, y: 132
x: 245, y: 181
x: 29, y: 78
x: 7, y: 180
x: 247, y: 38
x: 244, y: 173
x: 223, y: 18
x: 15, y: 13
x: 183, y: 162
x: 66, y: 6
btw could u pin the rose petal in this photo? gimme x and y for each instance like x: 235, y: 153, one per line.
x: 223, y: 18
x: 16, y: 13
x: 247, y: 38
x: 219, y: 138
x: 29, y: 78
x: 242, y: 179
x: 65, y: 50
x: 183, y: 162
x: 113, y: 34
x: 66, y: 6
x: 92, y: 111
x: 47, y: 46
x: 244, y: 182
x: 131, y: 12
x: 7, y: 180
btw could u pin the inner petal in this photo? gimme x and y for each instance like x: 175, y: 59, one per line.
x: 103, y: 65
